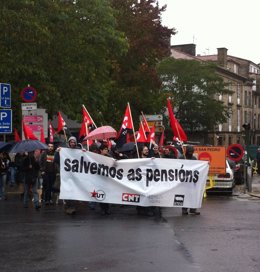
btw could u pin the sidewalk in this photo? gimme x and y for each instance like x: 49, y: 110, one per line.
x: 255, y: 186
x: 241, y: 190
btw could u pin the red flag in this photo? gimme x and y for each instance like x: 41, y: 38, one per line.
x: 42, y: 136
x: 16, y: 136
x: 84, y: 131
x: 151, y: 136
x: 87, y: 116
x: 126, y: 125
x: 28, y: 134
x: 161, y: 142
x: 84, y: 128
x: 61, y: 123
x: 127, y: 121
x: 51, y: 132
x: 145, y: 124
x: 176, y: 127
x: 141, y: 138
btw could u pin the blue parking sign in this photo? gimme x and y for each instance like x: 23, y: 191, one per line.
x: 5, y: 95
x: 6, y: 121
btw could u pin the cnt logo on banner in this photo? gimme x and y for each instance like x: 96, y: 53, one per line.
x: 88, y: 176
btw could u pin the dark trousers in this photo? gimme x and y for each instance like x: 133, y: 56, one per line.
x: 48, y: 182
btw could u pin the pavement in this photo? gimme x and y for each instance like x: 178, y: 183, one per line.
x: 254, y: 191
x: 255, y: 186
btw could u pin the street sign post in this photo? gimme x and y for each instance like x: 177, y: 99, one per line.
x: 5, y: 95
x: 29, y: 106
x: 235, y: 152
x: 5, y: 121
x: 28, y: 94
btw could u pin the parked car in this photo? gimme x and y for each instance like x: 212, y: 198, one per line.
x: 223, y: 183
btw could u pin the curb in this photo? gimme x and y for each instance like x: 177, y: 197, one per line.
x: 254, y: 195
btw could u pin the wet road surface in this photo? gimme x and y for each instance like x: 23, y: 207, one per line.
x: 225, y: 237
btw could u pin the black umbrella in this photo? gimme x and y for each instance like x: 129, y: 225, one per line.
x: 127, y: 147
x: 5, y: 146
x: 27, y: 146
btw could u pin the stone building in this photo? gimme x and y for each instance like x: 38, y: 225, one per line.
x: 242, y: 77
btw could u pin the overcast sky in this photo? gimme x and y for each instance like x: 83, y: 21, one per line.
x: 233, y: 24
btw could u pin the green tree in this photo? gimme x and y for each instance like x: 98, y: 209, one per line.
x: 194, y: 87
x: 135, y: 77
x: 63, y: 49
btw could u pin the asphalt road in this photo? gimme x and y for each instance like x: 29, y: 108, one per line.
x: 225, y: 237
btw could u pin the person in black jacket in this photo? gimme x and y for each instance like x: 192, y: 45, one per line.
x: 189, y: 156
x: 70, y: 206
x: 48, y: 172
x: 31, y: 171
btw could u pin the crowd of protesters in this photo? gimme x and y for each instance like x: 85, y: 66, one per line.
x: 38, y: 172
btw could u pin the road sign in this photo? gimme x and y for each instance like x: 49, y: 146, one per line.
x: 33, y: 118
x: 29, y: 106
x: 156, y: 117
x: 5, y: 95
x: 6, y: 121
x: 215, y: 155
x: 28, y: 94
x: 235, y: 152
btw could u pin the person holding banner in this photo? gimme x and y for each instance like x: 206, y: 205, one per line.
x: 70, y: 205
x: 150, y: 210
x: 189, y: 156
x: 105, y: 207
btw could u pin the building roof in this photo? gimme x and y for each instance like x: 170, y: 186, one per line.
x: 181, y: 55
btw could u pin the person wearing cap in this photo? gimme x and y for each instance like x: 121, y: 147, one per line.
x: 70, y: 205
x: 189, y: 156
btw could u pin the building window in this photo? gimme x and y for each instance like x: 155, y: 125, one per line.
x: 249, y: 99
x: 238, y: 91
x: 238, y: 94
x: 235, y: 69
x: 245, y: 99
x: 258, y: 121
x: 238, y: 120
x: 229, y: 140
x: 230, y: 120
x: 245, y: 117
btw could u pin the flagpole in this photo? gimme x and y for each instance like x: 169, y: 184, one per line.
x: 162, y: 138
x: 179, y: 136
x: 133, y: 130
x: 89, y: 115
x: 65, y: 134
x: 145, y: 121
x: 86, y: 127
x: 143, y: 130
x: 180, y: 141
x: 151, y: 141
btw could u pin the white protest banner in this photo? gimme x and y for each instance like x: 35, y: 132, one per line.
x: 88, y: 176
